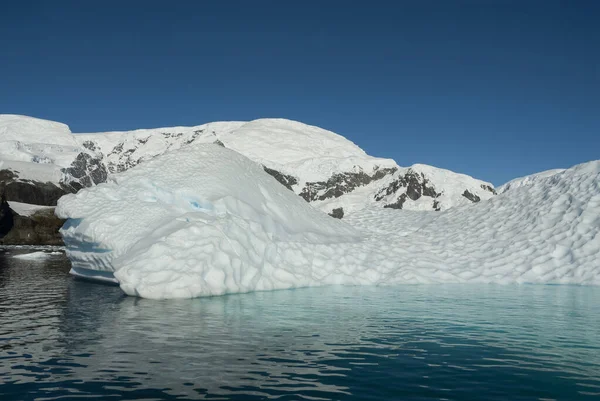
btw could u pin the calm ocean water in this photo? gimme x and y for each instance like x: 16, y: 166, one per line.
x: 67, y: 339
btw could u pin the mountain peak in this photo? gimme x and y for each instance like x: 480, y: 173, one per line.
x: 321, y: 166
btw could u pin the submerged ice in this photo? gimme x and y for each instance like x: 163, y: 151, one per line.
x: 205, y: 220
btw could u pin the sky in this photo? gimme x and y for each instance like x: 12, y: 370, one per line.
x: 491, y: 88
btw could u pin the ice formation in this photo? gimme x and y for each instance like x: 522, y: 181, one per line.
x: 26, y: 209
x: 528, y: 180
x: 215, y: 217
x: 39, y: 255
x: 205, y: 220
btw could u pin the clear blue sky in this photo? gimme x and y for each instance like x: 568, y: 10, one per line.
x: 494, y: 89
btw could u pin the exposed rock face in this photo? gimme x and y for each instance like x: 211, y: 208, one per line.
x: 136, y: 147
x: 472, y: 197
x: 287, y: 181
x: 340, y: 184
x: 398, y: 204
x: 7, y: 176
x: 489, y: 189
x: 29, y: 191
x: 85, y: 171
x: 6, y: 217
x: 41, y: 228
x: 337, y: 213
x: 416, y: 186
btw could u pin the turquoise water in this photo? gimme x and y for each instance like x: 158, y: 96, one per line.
x: 67, y: 339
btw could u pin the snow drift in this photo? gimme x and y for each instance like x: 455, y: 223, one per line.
x: 528, y: 180
x: 205, y: 220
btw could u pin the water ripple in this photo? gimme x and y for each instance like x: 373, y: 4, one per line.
x: 65, y: 339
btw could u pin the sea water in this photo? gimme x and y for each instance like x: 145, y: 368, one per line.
x: 66, y: 339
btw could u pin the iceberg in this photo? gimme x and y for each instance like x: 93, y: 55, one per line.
x: 204, y: 220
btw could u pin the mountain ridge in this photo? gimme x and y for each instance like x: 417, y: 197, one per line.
x: 321, y: 166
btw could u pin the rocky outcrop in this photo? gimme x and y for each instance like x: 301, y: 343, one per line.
x: 6, y: 217
x: 29, y: 191
x: 489, y: 189
x: 340, y: 184
x: 472, y: 197
x: 41, y: 228
x: 85, y: 171
x: 287, y: 181
x: 398, y: 204
x: 337, y: 213
x: 416, y: 186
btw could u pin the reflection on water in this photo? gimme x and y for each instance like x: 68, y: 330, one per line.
x: 61, y: 338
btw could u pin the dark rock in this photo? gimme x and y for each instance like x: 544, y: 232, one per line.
x: 340, y: 184
x: 90, y: 145
x: 398, y: 204
x: 6, y: 217
x: 172, y: 134
x: 436, y: 206
x: 488, y: 188
x: 337, y: 213
x: 196, y: 134
x: 286, y: 180
x: 380, y: 173
x: 416, y: 186
x: 429, y: 191
x: 218, y: 142
x: 39, y: 229
x: 85, y: 171
x: 413, y: 188
x: 7, y: 176
x: 471, y: 197
x: 28, y: 191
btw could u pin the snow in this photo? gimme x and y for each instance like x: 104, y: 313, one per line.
x: 205, y: 220
x: 125, y: 147
x: 22, y: 128
x: 38, y: 150
x: 39, y: 255
x: 528, y: 180
x: 36, y: 141
x: 450, y: 186
x: 26, y: 209
x: 291, y: 147
x: 210, y: 208
x: 453, y: 186
x: 41, y: 172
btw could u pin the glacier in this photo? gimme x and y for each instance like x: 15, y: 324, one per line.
x: 205, y: 220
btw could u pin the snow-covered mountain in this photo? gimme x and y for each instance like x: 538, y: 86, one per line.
x: 324, y: 168
x: 40, y: 160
